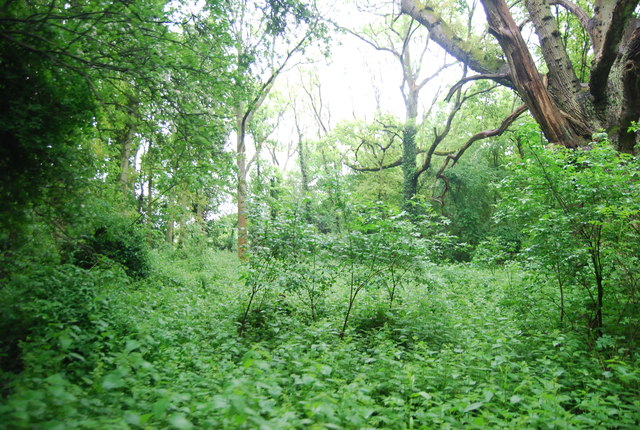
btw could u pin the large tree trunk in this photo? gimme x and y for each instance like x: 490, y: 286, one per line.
x: 525, y: 77
x: 630, y: 109
x: 567, y: 111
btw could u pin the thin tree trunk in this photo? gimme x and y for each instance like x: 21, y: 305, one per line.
x: 150, y: 207
x: 169, y: 232
x: 126, y: 145
x: 241, y: 160
x: 304, y: 172
x: 409, y: 157
x: 597, y: 268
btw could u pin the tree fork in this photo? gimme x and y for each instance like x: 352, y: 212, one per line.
x: 525, y: 76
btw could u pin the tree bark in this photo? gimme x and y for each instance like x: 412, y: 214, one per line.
x: 241, y: 161
x: 525, y: 77
x: 630, y: 94
x: 563, y: 82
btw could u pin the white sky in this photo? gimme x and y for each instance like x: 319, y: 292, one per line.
x: 353, y: 77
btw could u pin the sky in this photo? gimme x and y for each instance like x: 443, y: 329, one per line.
x: 354, y: 80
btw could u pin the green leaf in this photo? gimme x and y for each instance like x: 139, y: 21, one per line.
x: 113, y: 380
x: 180, y: 421
x: 473, y: 407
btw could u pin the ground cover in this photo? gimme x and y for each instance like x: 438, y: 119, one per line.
x: 460, y: 349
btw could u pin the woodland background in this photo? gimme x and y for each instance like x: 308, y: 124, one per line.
x: 281, y: 214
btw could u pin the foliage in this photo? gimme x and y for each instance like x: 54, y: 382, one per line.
x: 348, y: 312
x: 380, y: 248
x: 116, y: 239
x: 578, y: 211
x: 41, y: 156
x: 455, y: 355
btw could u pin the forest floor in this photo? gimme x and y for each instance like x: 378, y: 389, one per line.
x: 465, y: 348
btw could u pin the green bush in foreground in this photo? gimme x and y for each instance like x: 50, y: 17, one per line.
x: 165, y: 354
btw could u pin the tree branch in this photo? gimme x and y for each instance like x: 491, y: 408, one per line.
x: 576, y: 11
x: 453, y: 159
x: 367, y: 41
x: 497, y: 77
x: 265, y: 88
x: 449, y: 41
x: 376, y: 169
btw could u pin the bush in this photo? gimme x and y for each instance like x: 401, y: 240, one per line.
x: 51, y: 310
x: 115, y: 238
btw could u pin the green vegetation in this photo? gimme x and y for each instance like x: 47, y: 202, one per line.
x: 460, y: 349
x: 500, y: 291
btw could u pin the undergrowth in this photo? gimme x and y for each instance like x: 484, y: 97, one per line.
x: 455, y: 351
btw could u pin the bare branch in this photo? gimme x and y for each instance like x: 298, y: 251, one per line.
x: 442, y: 68
x: 265, y: 88
x: 376, y: 169
x: 498, y: 77
x: 369, y: 42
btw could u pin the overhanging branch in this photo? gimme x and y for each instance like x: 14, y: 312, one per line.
x: 453, y: 159
x: 444, y: 36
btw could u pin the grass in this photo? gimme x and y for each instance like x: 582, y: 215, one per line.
x: 455, y: 352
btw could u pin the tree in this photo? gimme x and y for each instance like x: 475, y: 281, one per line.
x: 408, y: 44
x: 99, y: 91
x: 568, y: 111
x: 578, y: 211
x: 267, y: 37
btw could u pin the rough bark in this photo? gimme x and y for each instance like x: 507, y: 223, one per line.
x: 525, y: 77
x: 567, y: 111
x: 609, y: 24
x: 630, y: 94
x: 563, y: 82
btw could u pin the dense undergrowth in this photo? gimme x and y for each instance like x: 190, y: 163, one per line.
x: 466, y: 347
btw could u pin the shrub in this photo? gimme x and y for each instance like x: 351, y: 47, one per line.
x: 115, y: 238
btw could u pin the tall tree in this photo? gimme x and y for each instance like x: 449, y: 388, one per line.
x: 94, y: 85
x: 408, y: 43
x: 567, y: 110
x: 404, y: 40
x: 268, y: 35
